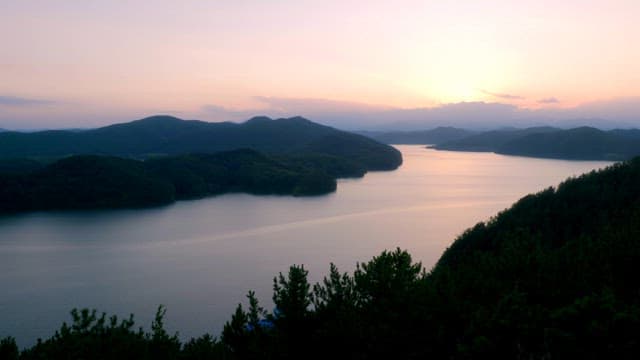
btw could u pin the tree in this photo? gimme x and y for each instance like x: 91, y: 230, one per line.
x: 292, y: 296
x: 9, y: 349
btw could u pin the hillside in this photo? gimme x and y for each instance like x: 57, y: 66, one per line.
x: 18, y: 165
x: 554, y: 276
x: 424, y: 137
x: 91, y: 181
x: 490, y: 140
x: 582, y: 143
x: 165, y: 135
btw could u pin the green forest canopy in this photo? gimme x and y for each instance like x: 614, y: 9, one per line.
x: 91, y: 181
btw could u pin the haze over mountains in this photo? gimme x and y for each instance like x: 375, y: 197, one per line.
x: 478, y: 115
x: 583, y: 143
x: 353, y: 116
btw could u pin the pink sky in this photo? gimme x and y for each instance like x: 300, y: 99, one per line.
x: 107, y: 60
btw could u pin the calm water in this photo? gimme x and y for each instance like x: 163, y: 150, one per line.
x: 201, y: 257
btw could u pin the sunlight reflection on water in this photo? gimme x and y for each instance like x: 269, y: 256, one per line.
x: 201, y: 257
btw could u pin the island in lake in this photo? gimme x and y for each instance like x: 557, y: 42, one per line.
x: 162, y: 159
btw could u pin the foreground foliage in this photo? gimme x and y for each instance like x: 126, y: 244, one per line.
x: 555, y: 276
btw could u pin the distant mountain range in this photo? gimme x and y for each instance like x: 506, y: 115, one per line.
x: 491, y: 140
x: 433, y: 136
x: 581, y: 143
x: 166, y: 135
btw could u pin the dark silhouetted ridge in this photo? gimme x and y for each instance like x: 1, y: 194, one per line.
x: 167, y: 135
x: 582, y: 143
x: 93, y: 181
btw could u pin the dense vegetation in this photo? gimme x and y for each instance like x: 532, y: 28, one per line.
x: 554, y: 276
x: 166, y: 135
x: 19, y: 165
x: 91, y: 181
x: 39, y: 171
x: 582, y: 143
x: 491, y: 140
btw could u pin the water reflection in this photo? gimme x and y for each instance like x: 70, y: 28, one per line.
x: 200, y: 257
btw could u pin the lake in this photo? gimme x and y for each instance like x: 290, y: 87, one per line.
x: 199, y: 258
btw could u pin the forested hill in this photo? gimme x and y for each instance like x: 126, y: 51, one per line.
x: 166, y: 135
x: 583, y: 143
x: 490, y: 140
x: 91, y: 181
x: 553, y: 277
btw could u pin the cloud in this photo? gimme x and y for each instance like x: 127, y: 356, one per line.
x: 23, y: 113
x: 626, y: 109
x: 7, y: 100
x: 285, y: 104
x: 332, y: 112
x: 548, y: 100
x: 216, y: 112
x: 622, y: 112
x: 502, y: 96
x: 215, y: 109
x: 477, y: 115
x: 338, y: 113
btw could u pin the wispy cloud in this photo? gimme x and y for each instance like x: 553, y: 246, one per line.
x: 7, y: 100
x: 286, y: 105
x: 216, y: 109
x: 502, y: 96
x: 216, y: 112
x: 548, y: 100
x: 485, y: 115
x: 277, y: 107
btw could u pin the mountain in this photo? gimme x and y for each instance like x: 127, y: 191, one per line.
x: 162, y: 159
x: 629, y: 133
x: 584, y: 143
x: 166, y: 135
x: 490, y: 140
x: 423, y: 137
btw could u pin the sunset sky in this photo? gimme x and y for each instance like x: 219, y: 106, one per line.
x: 87, y: 63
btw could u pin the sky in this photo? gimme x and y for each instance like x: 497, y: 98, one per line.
x: 351, y: 64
